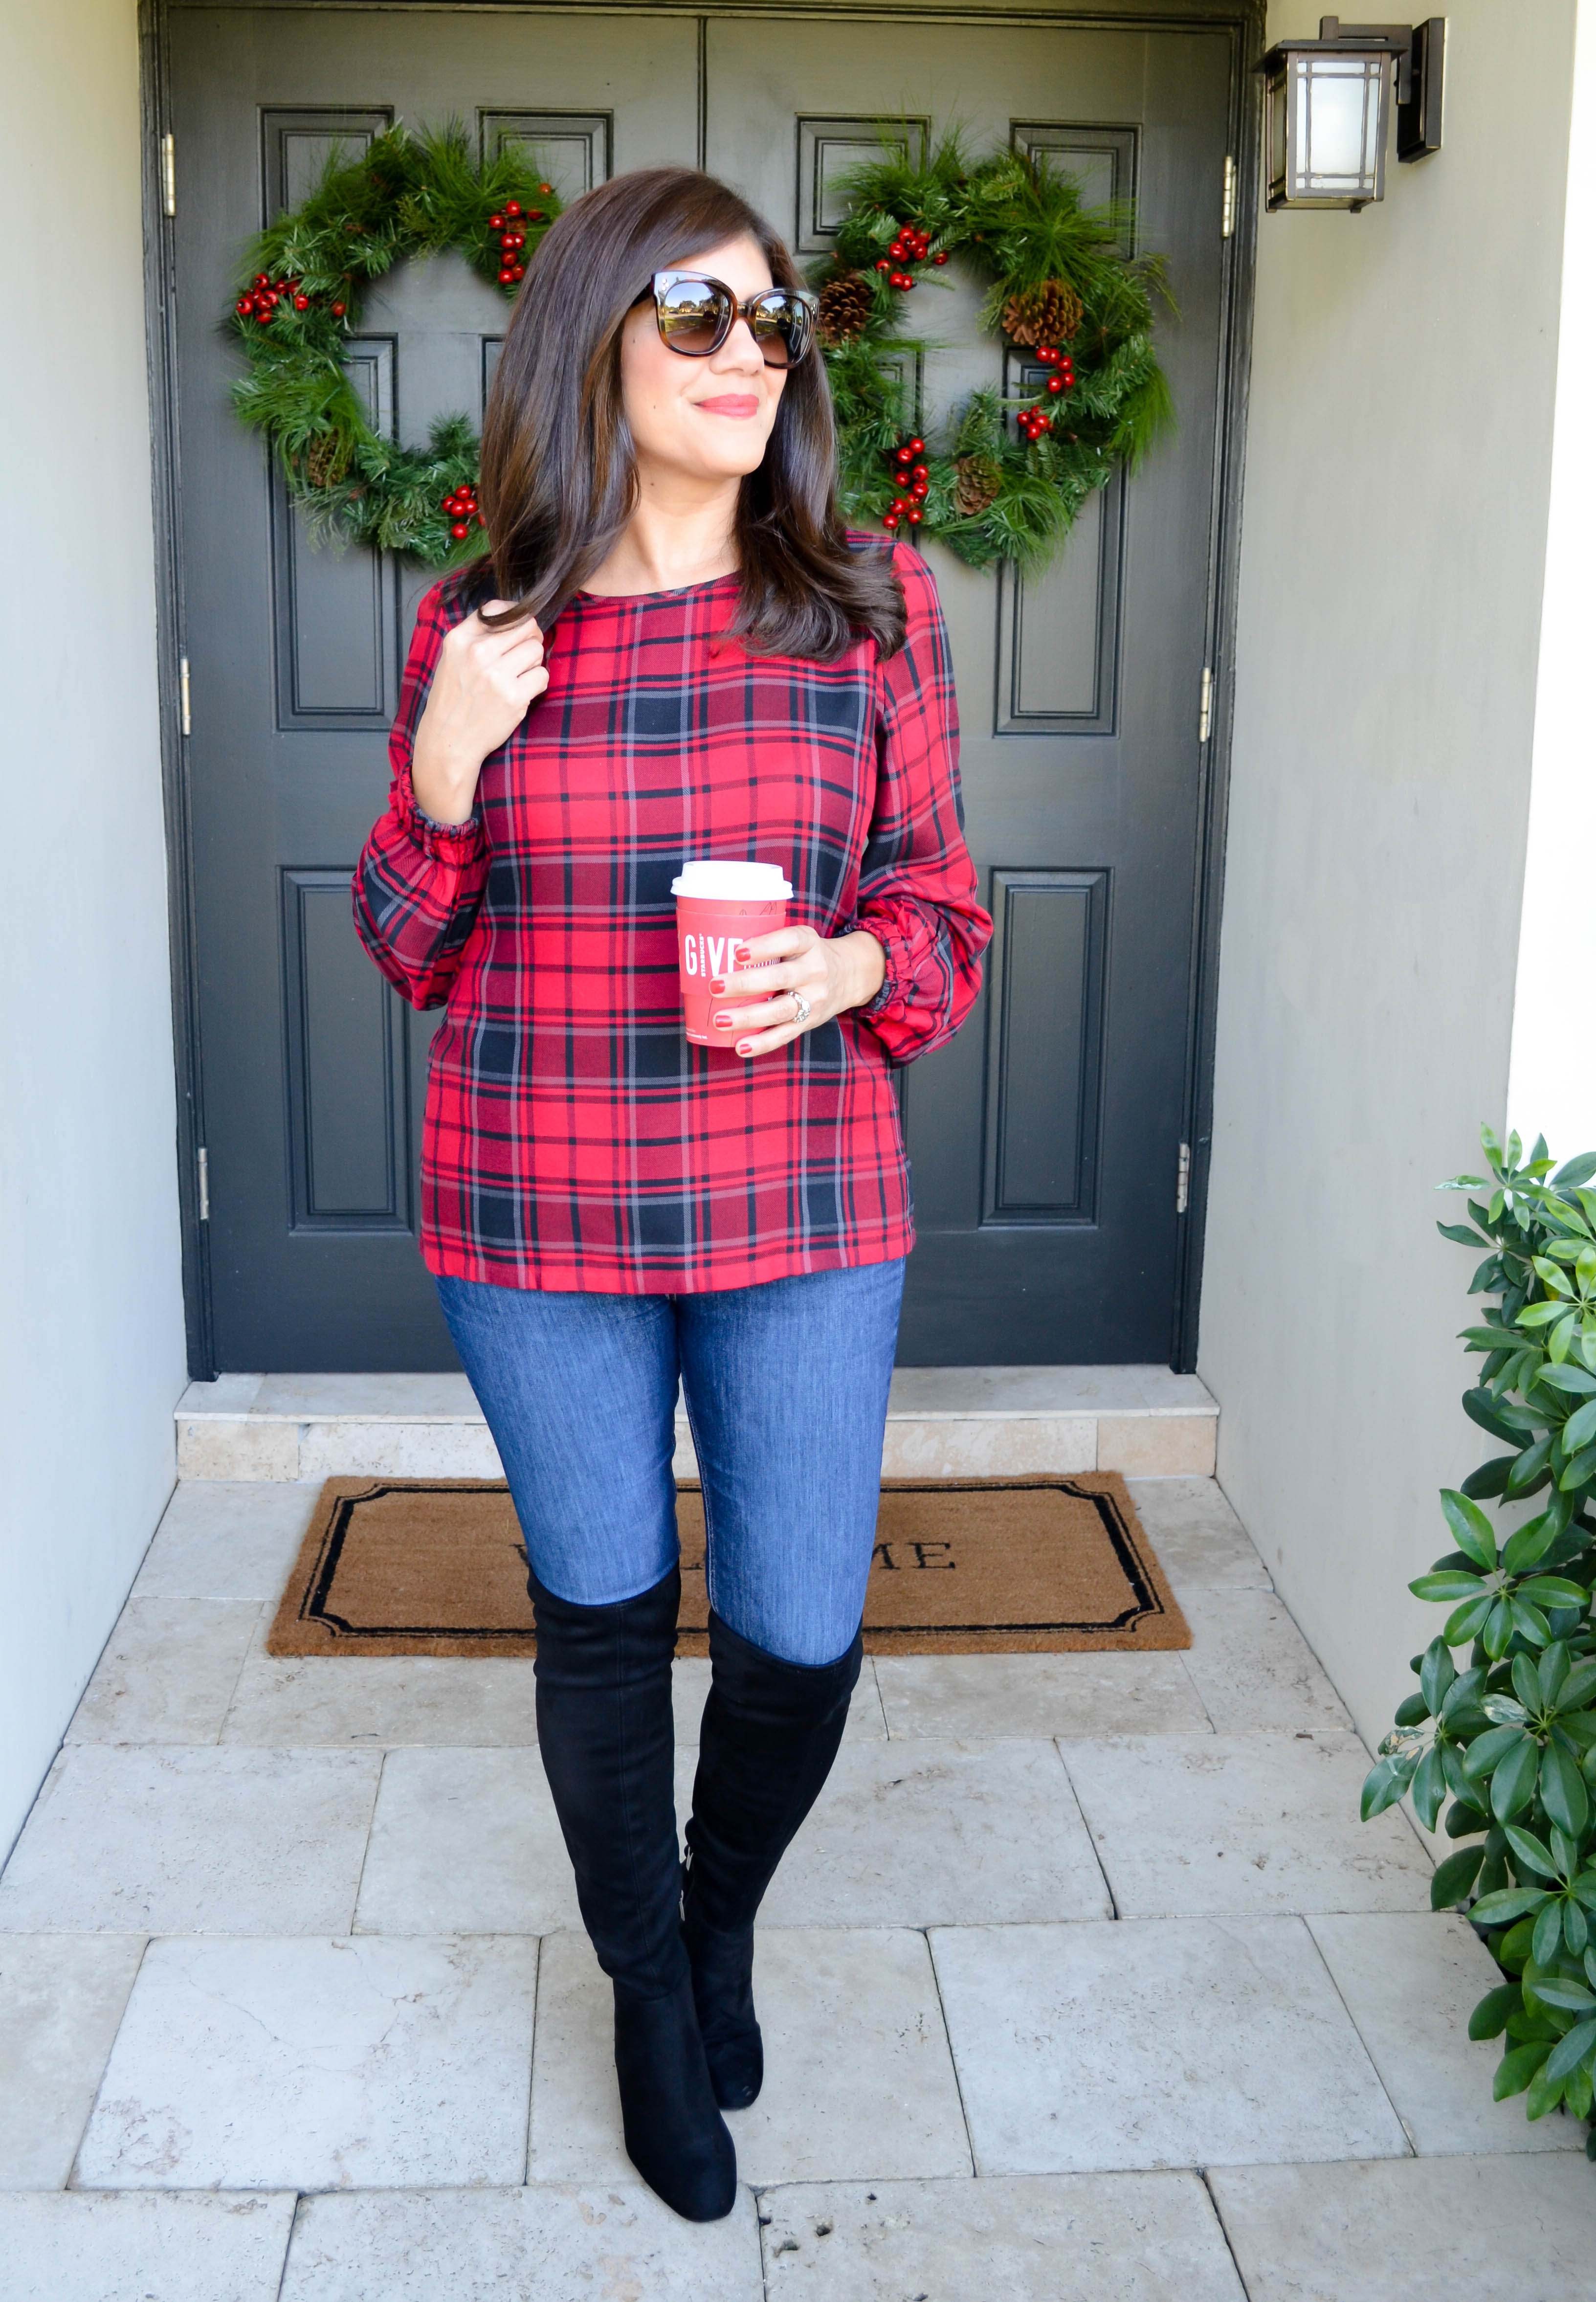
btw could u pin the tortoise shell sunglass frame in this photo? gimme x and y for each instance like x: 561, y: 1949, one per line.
x: 781, y: 320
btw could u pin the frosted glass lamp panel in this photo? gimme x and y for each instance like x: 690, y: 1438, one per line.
x: 1338, y: 111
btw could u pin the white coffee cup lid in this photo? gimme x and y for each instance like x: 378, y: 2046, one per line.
x: 731, y: 883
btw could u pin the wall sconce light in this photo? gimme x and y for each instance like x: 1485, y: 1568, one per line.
x: 1327, y: 104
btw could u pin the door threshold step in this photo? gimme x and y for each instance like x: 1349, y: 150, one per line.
x: 942, y: 1422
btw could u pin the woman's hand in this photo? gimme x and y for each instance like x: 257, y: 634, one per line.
x: 831, y: 973
x: 481, y: 687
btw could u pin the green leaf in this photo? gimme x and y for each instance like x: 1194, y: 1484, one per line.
x: 1541, y: 1315
x: 1575, y: 1172
x: 1580, y: 1428
x: 1548, y: 1931
x: 1412, y: 1711
x: 1444, y: 1587
x: 1529, y: 1543
x: 1465, y: 1820
x: 1529, y: 1467
x: 1498, y: 1416
x: 1490, y: 1478
x: 1579, y: 1687
x: 1384, y: 1785
x: 1464, y: 1233
x: 1532, y: 1854
x: 1555, y: 1278
x: 1527, y: 1682
x: 1570, y: 2050
x: 1551, y: 1672
x: 1490, y: 2017
x: 1507, y: 1902
x: 1429, y: 1788
x: 1569, y: 1378
x: 1553, y: 1590
x: 1513, y: 1951
x: 1529, y: 1622
x: 1576, y: 2096
x: 1436, y: 1674
x: 1514, y: 2070
x: 1513, y: 1785
x: 1471, y: 1528
x: 1577, y: 1927
x: 1546, y: 2091
x: 1455, y: 1877
x: 1563, y: 1792
x: 1489, y: 1750
x: 1558, y: 1990
x: 1468, y: 1621
x: 1579, y: 1471
x: 1498, y: 1632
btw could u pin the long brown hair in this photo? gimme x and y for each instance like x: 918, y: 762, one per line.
x: 559, y: 470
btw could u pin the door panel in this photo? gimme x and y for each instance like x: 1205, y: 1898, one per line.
x: 1045, y: 1141
x: 313, y: 1070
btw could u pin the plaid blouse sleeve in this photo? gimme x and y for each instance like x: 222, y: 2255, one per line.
x: 917, y: 885
x: 418, y: 884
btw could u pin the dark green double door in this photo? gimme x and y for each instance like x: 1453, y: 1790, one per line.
x: 1046, y: 1139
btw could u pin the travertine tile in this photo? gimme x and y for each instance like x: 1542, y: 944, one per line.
x: 168, y: 1672
x: 1151, y: 2043
x: 397, y: 1450
x: 1157, y: 1446
x: 1484, y: 2230
x: 61, y: 1999
x: 1410, y: 1980
x: 228, y: 1538
x: 690, y: 1690
x: 1200, y: 1541
x: 284, y: 1702
x: 988, y: 1448
x: 466, y: 1842
x: 436, y: 1397
x: 975, y: 1698
x: 922, y: 1834
x: 192, y: 1841
x: 1242, y: 1822
x: 222, y: 1446
x: 1047, y: 1390
x: 858, y: 2080
x: 226, y: 1395
x: 70, y: 2245
x: 364, y: 2063
x: 1057, y: 2238
x: 609, y: 2243
x: 1253, y: 1667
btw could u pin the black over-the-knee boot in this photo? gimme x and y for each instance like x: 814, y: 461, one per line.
x: 605, y: 1732
x: 771, y: 1732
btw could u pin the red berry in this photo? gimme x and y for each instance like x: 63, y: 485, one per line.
x: 460, y: 530
x: 506, y: 278
x: 301, y: 303
x: 338, y: 311
x: 495, y: 223
x: 905, y: 455
x: 915, y: 515
x: 917, y: 446
x: 244, y: 306
x: 889, y: 519
x: 882, y: 264
x: 940, y: 256
x: 512, y: 208
x: 1056, y: 383
x: 261, y: 279
x: 534, y: 215
x: 545, y: 187
x: 264, y: 318
x: 920, y: 472
x: 519, y: 273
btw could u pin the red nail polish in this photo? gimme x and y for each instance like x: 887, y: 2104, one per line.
x: 720, y: 1022
x: 716, y: 986
x: 745, y: 1047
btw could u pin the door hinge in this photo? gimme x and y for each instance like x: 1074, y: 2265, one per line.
x: 168, y: 175
x: 1205, y: 707
x: 182, y: 695
x: 1227, y: 220
x: 204, y: 1163
x: 1184, y: 1179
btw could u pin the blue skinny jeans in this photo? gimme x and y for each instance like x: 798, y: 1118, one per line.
x: 785, y: 1385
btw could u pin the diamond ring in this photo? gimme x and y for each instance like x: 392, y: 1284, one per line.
x: 800, y: 1007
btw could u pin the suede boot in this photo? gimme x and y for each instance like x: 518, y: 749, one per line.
x: 771, y: 1732
x: 607, y: 1741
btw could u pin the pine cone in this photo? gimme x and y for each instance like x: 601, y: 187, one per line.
x: 1047, y: 314
x: 844, y: 307
x: 977, y: 484
x: 327, y: 460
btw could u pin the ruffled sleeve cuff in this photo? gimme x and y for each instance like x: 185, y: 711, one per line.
x: 455, y: 844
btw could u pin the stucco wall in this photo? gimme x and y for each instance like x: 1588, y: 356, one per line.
x: 1392, y: 575
x: 91, y: 1338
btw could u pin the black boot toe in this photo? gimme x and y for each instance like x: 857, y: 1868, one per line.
x: 675, y: 2136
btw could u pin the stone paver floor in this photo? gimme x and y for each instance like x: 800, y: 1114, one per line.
x: 1083, y: 1980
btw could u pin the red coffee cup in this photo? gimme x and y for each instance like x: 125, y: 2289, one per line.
x: 719, y: 906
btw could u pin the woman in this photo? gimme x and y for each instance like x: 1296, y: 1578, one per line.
x: 686, y: 657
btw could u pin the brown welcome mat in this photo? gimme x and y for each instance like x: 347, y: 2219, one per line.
x: 1039, y: 1566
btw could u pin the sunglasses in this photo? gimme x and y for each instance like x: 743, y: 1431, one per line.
x: 696, y: 315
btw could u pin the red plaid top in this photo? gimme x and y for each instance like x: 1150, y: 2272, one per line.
x: 575, y: 1139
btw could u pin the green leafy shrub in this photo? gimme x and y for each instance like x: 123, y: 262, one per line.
x: 1507, y: 1743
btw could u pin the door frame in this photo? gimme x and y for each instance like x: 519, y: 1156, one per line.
x: 1244, y: 21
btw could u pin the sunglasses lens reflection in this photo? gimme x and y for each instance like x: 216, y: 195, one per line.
x: 781, y: 328
x: 693, y: 316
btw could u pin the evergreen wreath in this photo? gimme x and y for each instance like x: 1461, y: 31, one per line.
x: 1058, y: 285
x: 299, y: 302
